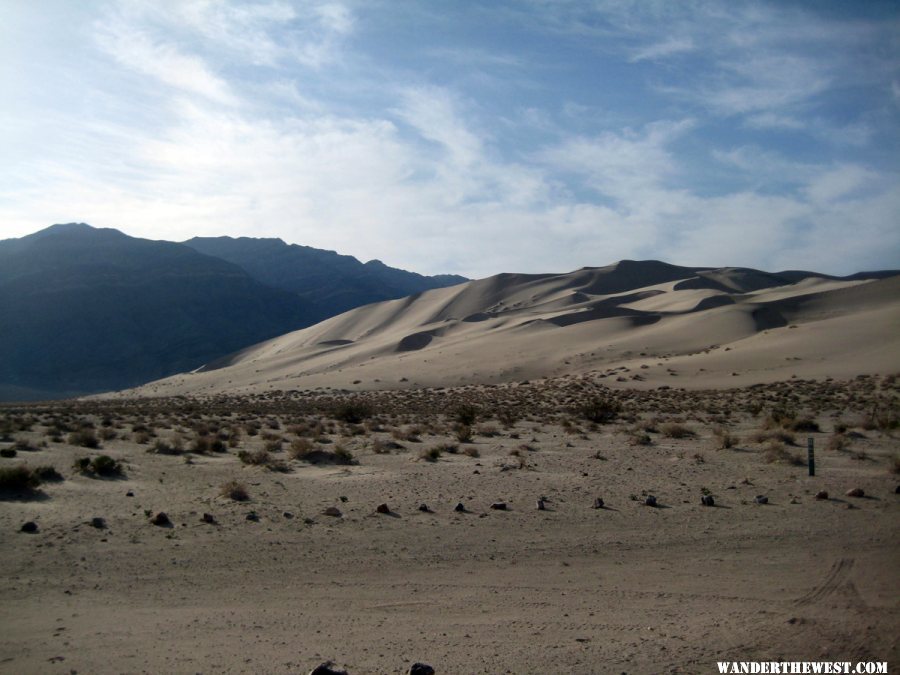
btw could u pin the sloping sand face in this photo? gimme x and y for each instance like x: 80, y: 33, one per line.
x: 568, y: 588
x: 707, y: 328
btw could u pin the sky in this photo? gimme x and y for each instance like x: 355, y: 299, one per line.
x: 453, y: 136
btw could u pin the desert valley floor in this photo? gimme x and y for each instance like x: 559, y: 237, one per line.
x: 273, y: 584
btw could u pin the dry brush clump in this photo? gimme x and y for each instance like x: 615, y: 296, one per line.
x: 102, y: 466
x: 776, y: 453
x: 235, y: 490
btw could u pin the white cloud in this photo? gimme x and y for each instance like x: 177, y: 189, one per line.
x: 666, y: 48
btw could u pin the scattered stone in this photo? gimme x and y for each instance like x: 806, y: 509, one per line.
x: 327, y: 668
x: 707, y: 500
x: 383, y: 508
x: 761, y: 499
x: 822, y: 495
x: 343, y: 499
x: 849, y: 506
x: 541, y: 506
x: 208, y: 518
x: 424, y: 508
x: 650, y: 501
x: 30, y: 527
x: 420, y: 669
x: 253, y: 517
x: 98, y: 522
x: 287, y: 514
x: 309, y: 521
x: 161, y: 520
x: 499, y: 506
x: 897, y: 490
x: 794, y: 500
x: 598, y: 503
x: 130, y: 493
x: 856, y: 492
x: 459, y: 508
x: 332, y: 511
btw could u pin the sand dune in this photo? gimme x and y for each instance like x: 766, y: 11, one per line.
x: 648, y: 323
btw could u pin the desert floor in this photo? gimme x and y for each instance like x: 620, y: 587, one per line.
x: 569, y: 589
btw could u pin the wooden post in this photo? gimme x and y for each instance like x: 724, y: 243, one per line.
x: 810, y: 456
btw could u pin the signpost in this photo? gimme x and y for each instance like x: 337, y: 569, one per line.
x: 810, y: 456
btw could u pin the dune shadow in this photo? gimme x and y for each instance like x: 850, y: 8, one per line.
x: 23, y: 496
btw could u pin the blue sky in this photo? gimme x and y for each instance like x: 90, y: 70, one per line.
x: 467, y: 137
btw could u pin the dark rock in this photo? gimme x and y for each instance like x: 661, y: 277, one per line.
x: 761, y: 499
x: 499, y: 506
x: 856, y: 492
x: 598, y: 503
x: 253, y: 517
x: 130, y: 493
x: 424, y: 508
x: 30, y: 527
x: 332, y: 511
x: 382, y: 508
x: 541, y: 505
x: 287, y: 514
x: 98, y: 522
x: 707, y: 500
x: 343, y: 499
x: 650, y: 501
x: 327, y: 668
x: 459, y: 508
x: 822, y: 494
x: 161, y: 520
x: 420, y: 669
x: 208, y: 518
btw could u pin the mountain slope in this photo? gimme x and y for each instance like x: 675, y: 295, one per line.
x: 88, y: 309
x: 643, y: 323
x: 329, y: 282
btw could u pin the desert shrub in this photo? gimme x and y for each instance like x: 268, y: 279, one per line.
x: 676, y: 430
x: 775, y: 452
x: 235, y: 490
x: 466, y: 414
x: 724, y: 438
x: 18, y: 479
x: 162, y: 447
x: 895, y: 464
x: 24, y: 445
x: 255, y: 457
x: 141, y: 437
x: 102, y: 465
x: 487, y: 430
x: 84, y: 438
x: 343, y: 455
x: 431, y: 454
x: 48, y: 474
x: 353, y: 412
x: 107, y: 433
x: 273, y: 445
x: 383, y: 447
x: 450, y: 448
x: 300, y: 447
x: 599, y: 409
x: 204, y: 445
x: 463, y: 433
x: 837, y: 442
x: 639, y: 438
x: 471, y: 451
x: 507, y: 417
x: 803, y: 425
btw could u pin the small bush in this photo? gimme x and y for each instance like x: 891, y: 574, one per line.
x: 255, y: 458
x: 18, y: 479
x: 775, y: 452
x: 84, y: 438
x: 466, y: 414
x: 300, y: 448
x: 725, y: 438
x: 235, y: 490
x: 471, y: 451
x: 431, y: 454
x: 48, y: 474
x: 353, y: 412
x: 599, y: 409
x: 675, y: 430
x: 161, y: 447
x: 102, y: 465
x: 463, y: 433
x: 204, y: 445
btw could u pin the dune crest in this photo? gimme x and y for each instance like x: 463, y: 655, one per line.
x: 640, y: 323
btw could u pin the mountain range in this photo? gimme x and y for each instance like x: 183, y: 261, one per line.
x: 87, y: 309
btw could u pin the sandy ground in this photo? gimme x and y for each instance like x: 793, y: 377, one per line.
x: 571, y: 589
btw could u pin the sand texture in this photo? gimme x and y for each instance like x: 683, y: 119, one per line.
x: 638, y: 324
x: 567, y: 589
